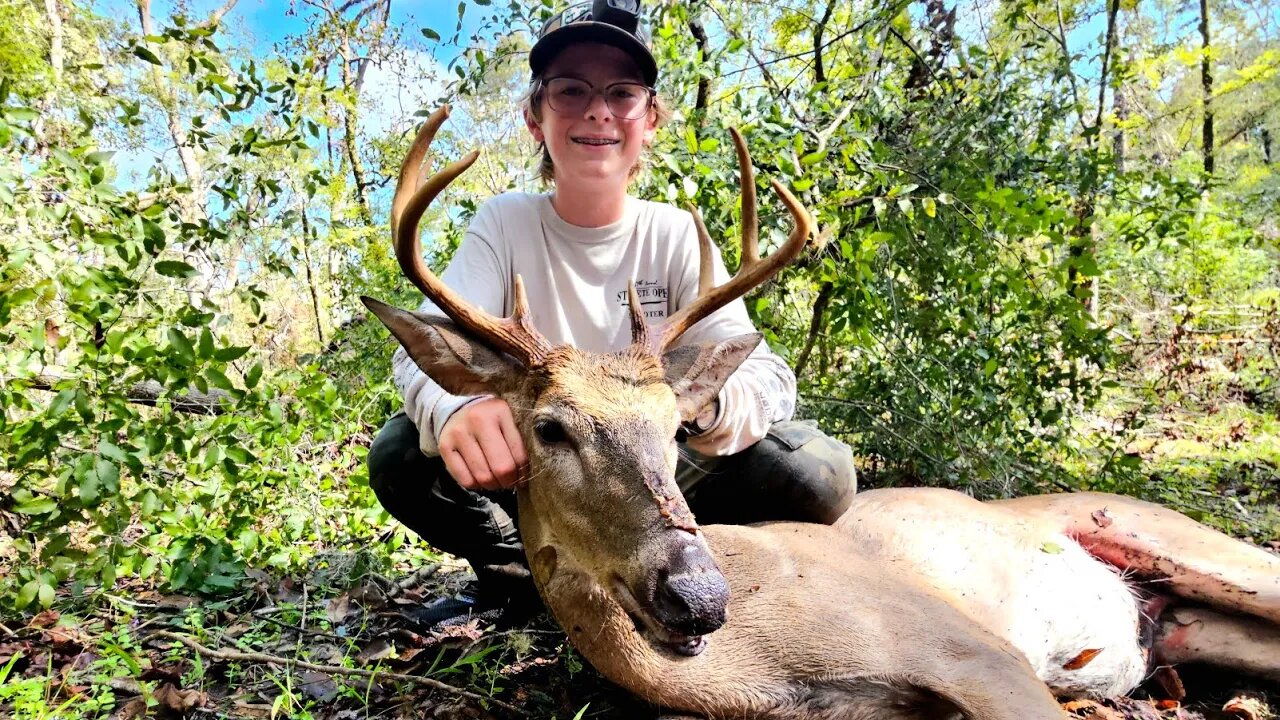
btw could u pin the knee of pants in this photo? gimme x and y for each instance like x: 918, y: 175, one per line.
x: 393, y: 453
x: 821, y: 475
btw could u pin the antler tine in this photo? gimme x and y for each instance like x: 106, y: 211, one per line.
x: 515, y: 335
x: 753, y: 270
x: 747, y: 179
x: 639, y: 328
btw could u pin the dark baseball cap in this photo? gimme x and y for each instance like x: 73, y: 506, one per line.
x: 612, y: 22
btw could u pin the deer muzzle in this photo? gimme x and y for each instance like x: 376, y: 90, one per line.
x: 689, y: 598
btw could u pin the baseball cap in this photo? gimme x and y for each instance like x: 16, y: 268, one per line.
x: 612, y: 22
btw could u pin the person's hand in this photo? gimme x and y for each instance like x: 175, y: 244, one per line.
x: 481, y: 447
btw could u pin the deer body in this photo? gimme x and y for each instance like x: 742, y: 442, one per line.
x: 917, y: 603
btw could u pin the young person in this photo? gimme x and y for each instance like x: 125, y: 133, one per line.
x: 445, y: 466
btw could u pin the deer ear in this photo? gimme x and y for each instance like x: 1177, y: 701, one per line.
x: 697, y: 372
x: 459, y: 364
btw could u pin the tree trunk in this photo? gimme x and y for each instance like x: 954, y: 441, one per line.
x: 193, y: 207
x: 351, y: 129
x: 56, y: 61
x: 704, y: 83
x: 1206, y: 88
x: 307, y: 237
x: 1266, y: 146
x: 1119, y: 146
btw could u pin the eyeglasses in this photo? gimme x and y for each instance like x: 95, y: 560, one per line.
x: 571, y: 96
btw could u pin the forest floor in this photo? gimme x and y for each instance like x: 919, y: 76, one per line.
x: 296, y: 648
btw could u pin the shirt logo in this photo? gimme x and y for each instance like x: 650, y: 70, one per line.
x: 653, y: 298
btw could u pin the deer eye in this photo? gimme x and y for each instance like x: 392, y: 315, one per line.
x: 550, y: 432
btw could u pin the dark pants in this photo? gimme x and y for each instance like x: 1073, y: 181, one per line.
x: 795, y: 473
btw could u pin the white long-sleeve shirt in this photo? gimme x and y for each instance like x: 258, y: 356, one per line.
x: 576, y: 281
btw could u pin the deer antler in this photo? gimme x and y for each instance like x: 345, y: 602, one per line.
x: 514, y: 335
x: 752, y: 272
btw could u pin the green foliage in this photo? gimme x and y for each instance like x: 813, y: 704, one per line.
x: 990, y: 259
x: 143, y: 436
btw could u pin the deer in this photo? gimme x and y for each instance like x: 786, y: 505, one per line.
x: 916, y: 603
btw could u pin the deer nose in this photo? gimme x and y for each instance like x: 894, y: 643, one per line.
x: 692, y: 595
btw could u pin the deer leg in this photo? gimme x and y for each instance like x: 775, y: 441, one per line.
x: 1198, y: 635
x: 1178, y: 555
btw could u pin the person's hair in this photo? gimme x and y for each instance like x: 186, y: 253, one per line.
x: 531, y: 103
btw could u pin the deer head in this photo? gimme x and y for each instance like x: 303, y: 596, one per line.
x: 599, y: 429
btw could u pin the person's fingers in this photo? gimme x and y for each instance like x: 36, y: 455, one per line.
x: 497, y: 453
x: 477, y: 463
x: 457, y: 467
x: 515, y: 443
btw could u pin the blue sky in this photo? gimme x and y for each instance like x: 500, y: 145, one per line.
x: 267, y: 22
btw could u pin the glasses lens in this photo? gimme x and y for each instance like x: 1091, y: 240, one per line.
x: 570, y: 96
x: 627, y: 100
x: 567, y: 95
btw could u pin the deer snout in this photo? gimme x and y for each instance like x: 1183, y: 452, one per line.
x: 691, y: 595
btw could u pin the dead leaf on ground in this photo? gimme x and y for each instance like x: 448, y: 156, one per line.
x: 135, y: 708
x: 1091, y: 709
x: 319, y: 686
x: 180, y: 701
x: 1085, y: 657
x: 176, y: 602
x: 1170, y: 682
x: 1101, y: 518
x: 338, y: 608
x: 1248, y: 706
x: 377, y: 650
x: 251, y: 710
x: 44, y: 619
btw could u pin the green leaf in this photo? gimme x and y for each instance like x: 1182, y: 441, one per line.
x: 430, y: 34
x: 218, y: 380
x: 28, y: 593
x: 41, y: 506
x: 206, y: 344
x: 813, y: 158
x: 175, y: 269
x: 930, y: 206
x: 181, y: 344
x: 46, y: 595
x: 61, y: 402
x: 145, y: 54
x: 1050, y: 547
x: 251, y: 378
x: 227, y: 354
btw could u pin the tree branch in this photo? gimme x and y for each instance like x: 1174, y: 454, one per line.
x: 238, y: 656
x: 820, y: 74
x: 815, y: 325
x: 214, y: 402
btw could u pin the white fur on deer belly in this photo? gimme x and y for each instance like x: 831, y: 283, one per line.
x: 1076, y: 621
x: 1024, y: 581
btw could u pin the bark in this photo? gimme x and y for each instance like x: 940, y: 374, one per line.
x: 1206, y: 89
x: 193, y: 206
x: 1266, y: 145
x: 214, y: 402
x: 704, y: 83
x: 1119, y: 143
x: 56, y: 62
x: 1083, y: 240
x: 351, y: 129
x: 815, y: 326
x: 307, y: 236
x: 819, y: 72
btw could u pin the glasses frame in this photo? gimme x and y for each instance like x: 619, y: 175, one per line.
x: 648, y: 105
